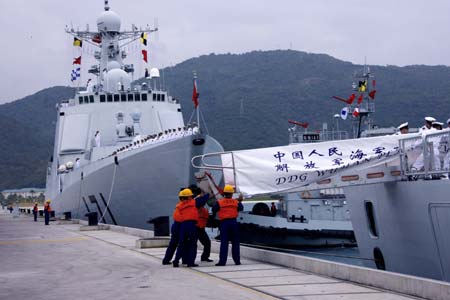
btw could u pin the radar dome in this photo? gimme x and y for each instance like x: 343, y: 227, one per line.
x: 61, y: 168
x: 115, y: 78
x: 154, y: 73
x: 108, y: 21
x: 113, y: 65
x: 69, y: 165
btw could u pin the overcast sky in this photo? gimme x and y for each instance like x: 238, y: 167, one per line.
x: 36, y: 52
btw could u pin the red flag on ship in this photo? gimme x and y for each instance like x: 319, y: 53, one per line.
x: 144, y: 55
x: 356, y: 112
x: 195, y: 94
x: 304, y: 125
x: 77, y: 61
x: 372, y: 94
x: 360, y: 99
x: 97, y: 38
x: 348, y: 101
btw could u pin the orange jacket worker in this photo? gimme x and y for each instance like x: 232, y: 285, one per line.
x: 228, y: 210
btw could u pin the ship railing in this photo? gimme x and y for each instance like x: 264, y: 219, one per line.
x: 221, y: 161
x: 427, y: 156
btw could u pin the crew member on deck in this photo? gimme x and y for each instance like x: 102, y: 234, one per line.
x: 35, y: 211
x: 403, y: 128
x: 97, y: 139
x: 77, y: 163
x: 47, y: 211
x: 428, y: 122
x: 228, y: 210
x: 273, y: 210
x: 446, y: 165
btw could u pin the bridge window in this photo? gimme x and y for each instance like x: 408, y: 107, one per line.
x: 116, y: 97
x: 154, y: 97
x: 109, y: 98
x: 137, y: 97
x: 163, y: 97
x: 130, y: 97
x: 91, y: 98
x: 158, y: 97
x: 86, y: 99
x: 144, y: 97
x: 371, y: 219
x: 123, y: 97
x: 80, y: 100
x: 102, y: 98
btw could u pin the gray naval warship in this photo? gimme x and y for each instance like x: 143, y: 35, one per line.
x: 396, y: 187
x: 122, y: 151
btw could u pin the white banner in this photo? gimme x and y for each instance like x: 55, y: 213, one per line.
x: 280, y: 169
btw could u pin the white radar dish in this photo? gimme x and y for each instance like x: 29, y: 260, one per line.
x: 113, y: 65
x: 108, y: 21
x: 154, y: 73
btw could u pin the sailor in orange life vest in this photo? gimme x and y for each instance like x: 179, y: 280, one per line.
x: 35, y: 211
x: 47, y: 211
x: 187, y: 244
x: 228, y: 210
x: 203, y: 215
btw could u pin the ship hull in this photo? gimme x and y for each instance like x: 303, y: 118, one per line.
x: 411, y: 220
x: 142, y: 185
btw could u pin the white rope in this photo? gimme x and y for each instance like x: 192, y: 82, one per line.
x: 110, y: 192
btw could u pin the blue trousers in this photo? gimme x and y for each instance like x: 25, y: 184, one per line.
x: 229, y: 231
x: 174, y: 239
x: 205, y: 241
x: 47, y: 217
x: 35, y: 215
x: 187, y: 243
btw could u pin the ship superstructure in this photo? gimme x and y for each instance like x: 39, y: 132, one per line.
x: 121, y: 150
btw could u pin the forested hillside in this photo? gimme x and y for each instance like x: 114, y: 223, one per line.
x: 245, y: 99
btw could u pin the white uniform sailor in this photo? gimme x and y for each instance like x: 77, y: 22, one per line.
x: 428, y: 122
x: 97, y: 139
x: 403, y: 128
x: 419, y: 163
x: 446, y: 164
x: 77, y: 163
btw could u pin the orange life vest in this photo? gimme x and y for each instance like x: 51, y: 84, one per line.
x: 228, y: 208
x: 177, y: 217
x: 47, y: 207
x: 203, y: 215
x: 188, y: 210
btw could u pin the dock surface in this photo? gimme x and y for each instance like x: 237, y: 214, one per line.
x: 62, y: 262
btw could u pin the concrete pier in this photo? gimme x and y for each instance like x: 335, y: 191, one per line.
x: 62, y: 262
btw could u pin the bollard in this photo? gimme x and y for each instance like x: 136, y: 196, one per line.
x: 160, y: 225
x: 92, y: 218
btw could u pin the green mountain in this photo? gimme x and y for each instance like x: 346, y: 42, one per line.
x: 245, y: 99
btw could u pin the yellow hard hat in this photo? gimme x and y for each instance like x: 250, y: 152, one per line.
x: 48, y: 201
x: 228, y: 189
x: 186, y: 193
